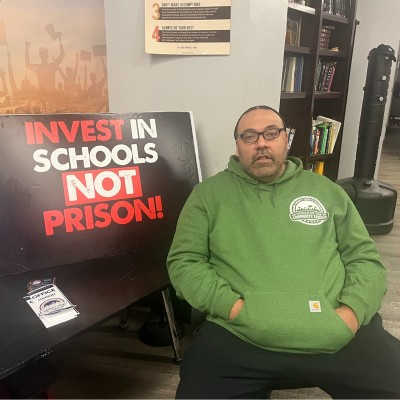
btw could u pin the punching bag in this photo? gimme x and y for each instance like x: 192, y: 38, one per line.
x: 375, y: 200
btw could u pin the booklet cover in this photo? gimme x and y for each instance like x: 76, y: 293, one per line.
x: 50, y: 305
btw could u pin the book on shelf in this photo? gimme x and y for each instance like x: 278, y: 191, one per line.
x: 293, y: 29
x: 325, y: 36
x: 340, y: 8
x: 292, y: 73
x: 324, y: 75
x: 290, y: 133
x: 327, y: 28
x: 298, y: 73
x: 287, y: 83
x: 335, y: 7
x: 316, y: 167
x: 324, y: 134
x: 328, y: 77
x: 302, y: 2
x: 335, y: 128
x: 328, y: 6
x: 320, y: 138
x: 315, y: 138
x: 319, y: 167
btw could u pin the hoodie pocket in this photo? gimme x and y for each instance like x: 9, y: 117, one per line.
x: 298, y: 322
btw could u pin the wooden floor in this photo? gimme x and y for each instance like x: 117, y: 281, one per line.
x: 111, y: 363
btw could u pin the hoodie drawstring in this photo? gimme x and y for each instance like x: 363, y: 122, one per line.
x: 274, y: 195
x: 258, y: 192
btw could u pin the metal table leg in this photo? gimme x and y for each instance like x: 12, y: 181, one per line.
x: 172, y: 327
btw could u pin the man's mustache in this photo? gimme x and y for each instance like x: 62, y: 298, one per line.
x: 262, y: 154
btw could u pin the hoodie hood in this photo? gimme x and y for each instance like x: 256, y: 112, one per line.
x: 294, y: 167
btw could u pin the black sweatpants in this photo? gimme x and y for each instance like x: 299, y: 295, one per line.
x: 219, y: 365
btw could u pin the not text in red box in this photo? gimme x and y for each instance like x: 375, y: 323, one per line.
x: 84, y: 187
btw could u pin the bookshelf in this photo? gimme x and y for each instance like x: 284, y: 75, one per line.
x: 319, y: 40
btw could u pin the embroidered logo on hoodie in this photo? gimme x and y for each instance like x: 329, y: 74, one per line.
x: 308, y: 210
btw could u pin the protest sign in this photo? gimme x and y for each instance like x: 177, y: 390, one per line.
x: 78, y: 187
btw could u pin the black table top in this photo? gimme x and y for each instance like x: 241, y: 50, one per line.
x: 99, y: 289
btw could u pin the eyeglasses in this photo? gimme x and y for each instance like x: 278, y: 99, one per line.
x: 253, y: 136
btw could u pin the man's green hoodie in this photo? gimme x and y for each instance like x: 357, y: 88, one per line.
x: 294, y: 249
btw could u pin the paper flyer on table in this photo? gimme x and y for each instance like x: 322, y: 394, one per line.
x: 50, y: 305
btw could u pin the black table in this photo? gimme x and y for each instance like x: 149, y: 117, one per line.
x: 99, y: 288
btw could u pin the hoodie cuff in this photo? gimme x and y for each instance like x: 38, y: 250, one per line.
x: 356, y: 304
x: 223, y: 305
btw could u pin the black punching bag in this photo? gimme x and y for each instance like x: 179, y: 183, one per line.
x: 374, y: 199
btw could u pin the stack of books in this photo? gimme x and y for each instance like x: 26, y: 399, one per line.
x: 324, y: 135
x: 292, y: 74
x: 326, y: 31
x: 335, y: 7
x: 324, y: 75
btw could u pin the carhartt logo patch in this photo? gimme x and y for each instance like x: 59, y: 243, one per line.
x: 315, y: 306
x: 308, y: 210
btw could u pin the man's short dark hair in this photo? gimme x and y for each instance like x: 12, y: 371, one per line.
x: 261, y: 107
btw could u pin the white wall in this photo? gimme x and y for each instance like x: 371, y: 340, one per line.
x: 216, y: 88
x: 379, y: 24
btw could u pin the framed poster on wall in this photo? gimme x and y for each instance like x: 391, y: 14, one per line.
x: 53, y: 57
x: 188, y: 28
